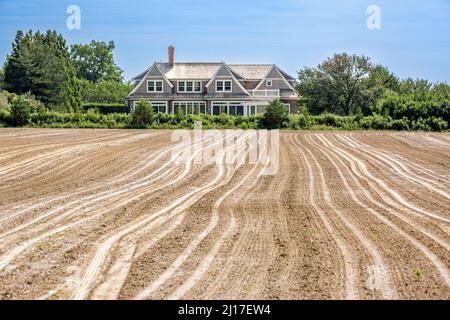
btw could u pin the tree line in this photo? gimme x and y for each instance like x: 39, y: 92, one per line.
x: 43, y: 74
x: 351, y: 85
x: 62, y: 77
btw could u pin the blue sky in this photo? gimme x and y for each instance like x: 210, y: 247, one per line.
x: 414, y: 39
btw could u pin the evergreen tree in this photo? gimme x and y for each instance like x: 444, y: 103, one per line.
x: 40, y: 64
x: 20, y: 111
x: 143, y: 113
x: 2, y: 80
x: 276, y: 113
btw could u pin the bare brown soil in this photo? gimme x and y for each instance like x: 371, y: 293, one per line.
x: 105, y: 214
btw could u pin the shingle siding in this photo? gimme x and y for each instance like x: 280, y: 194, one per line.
x: 276, y: 84
x: 236, y: 88
x: 142, y: 89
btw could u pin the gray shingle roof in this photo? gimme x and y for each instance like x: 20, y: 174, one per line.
x: 189, y: 70
x: 206, y: 70
x: 251, y: 71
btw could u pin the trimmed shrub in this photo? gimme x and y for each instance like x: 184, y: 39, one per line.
x: 376, y: 122
x: 142, y: 114
x: 4, y: 100
x: 5, y: 116
x: 400, y: 124
x: 437, y: 124
x: 20, y: 111
x: 35, y: 105
x: 276, y: 115
x: 329, y: 119
x: 302, y: 121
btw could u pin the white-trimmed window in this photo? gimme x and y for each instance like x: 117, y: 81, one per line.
x: 268, y: 83
x: 197, y: 86
x: 158, y: 106
x: 252, y: 109
x: 155, y: 86
x: 224, y: 86
x: 189, y: 86
x: 189, y: 107
x: 236, y: 109
x: 228, y: 107
x: 288, y: 107
x: 217, y: 108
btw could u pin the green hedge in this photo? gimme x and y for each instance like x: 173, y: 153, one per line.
x: 400, y: 107
x: 80, y: 120
x: 373, y: 122
x: 124, y: 120
x: 106, y: 108
x: 327, y: 121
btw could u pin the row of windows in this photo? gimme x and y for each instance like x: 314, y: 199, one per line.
x: 189, y: 86
x: 194, y: 86
x: 217, y: 108
x: 193, y: 107
x: 158, y: 106
x: 230, y: 108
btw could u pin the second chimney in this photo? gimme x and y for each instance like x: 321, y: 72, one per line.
x: 171, y: 55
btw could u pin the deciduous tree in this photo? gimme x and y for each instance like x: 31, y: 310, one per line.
x: 343, y: 84
x: 95, y: 61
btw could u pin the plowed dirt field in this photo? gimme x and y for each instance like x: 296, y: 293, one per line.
x: 105, y: 214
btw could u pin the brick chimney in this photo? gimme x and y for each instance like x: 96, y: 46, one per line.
x: 171, y: 55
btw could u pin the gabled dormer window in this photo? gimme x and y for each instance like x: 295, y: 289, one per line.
x: 190, y: 86
x: 155, y: 86
x: 197, y: 86
x: 268, y: 83
x: 181, y: 86
x: 223, y: 86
